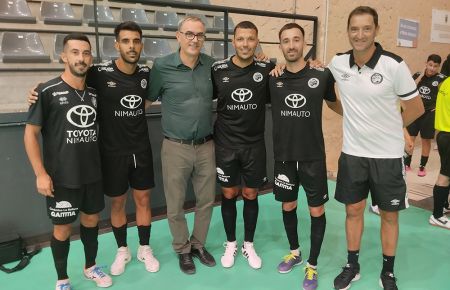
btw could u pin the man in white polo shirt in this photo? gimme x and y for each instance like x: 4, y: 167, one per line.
x: 372, y: 84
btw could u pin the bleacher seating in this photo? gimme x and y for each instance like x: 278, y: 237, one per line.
x: 58, y: 48
x: 208, y: 26
x: 217, y: 50
x: 58, y: 13
x: 104, y: 16
x: 218, y: 23
x: 16, y: 11
x: 156, y: 47
x: 23, y: 47
x: 138, y: 16
x: 168, y: 21
x: 107, y: 49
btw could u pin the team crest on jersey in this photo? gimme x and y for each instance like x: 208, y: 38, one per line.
x: 225, y: 80
x: 280, y: 84
x: 94, y: 101
x: 257, y: 77
x: 313, y: 83
x: 435, y: 83
x: 63, y: 101
x: 376, y: 78
x: 111, y: 84
x: 144, y: 83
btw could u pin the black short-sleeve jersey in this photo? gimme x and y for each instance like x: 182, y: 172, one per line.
x: 297, y: 100
x: 428, y: 90
x: 121, y: 104
x: 241, y: 97
x: 69, y: 132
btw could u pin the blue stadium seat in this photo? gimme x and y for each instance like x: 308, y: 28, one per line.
x: 219, y: 23
x: 58, y: 13
x: 217, y: 50
x: 23, y: 47
x: 168, y: 21
x: 138, y: 16
x: 156, y: 47
x: 16, y: 11
x: 104, y: 16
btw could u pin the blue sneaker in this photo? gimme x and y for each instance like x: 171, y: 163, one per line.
x: 289, y: 262
x: 310, y: 280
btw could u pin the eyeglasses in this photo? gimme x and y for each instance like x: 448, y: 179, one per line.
x: 191, y: 35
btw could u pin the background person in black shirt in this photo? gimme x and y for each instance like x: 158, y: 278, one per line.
x: 240, y: 86
x: 69, y: 176
x: 297, y: 96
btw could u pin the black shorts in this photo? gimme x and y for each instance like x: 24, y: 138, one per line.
x: 124, y: 171
x: 383, y: 177
x: 424, y: 124
x: 312, y: 175
x: 443, y: 142
x: 64, y: 207
x: 248, y: 164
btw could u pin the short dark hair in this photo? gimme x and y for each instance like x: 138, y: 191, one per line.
x: 290, y: 25
x: 127, y: 25
x: 434, y: 58
x: 76, y: 36
x: 246, y: 25
x: 363, y: 10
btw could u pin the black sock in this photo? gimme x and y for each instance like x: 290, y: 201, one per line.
x: 229, y: 217
x: 318, y: 225
x: 60, y: 252
x: 144, y: 235
x: 352, y: 257
x: 407, y: 159
x: 423, y: 161
x: 89, y: 239
x: 388, y: 264
x: 251, y: 209
x: 290, y: 225
x: 120, y: 234
x: 440, y: 196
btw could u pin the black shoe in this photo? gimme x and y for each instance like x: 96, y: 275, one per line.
x: 186, y: 263
x: 204, y: 256
x: 388, y: 281
x: 349, y: 274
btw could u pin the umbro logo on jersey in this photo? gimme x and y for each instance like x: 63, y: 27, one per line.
x: 81, y: 116
x: 59, y: 93
x: 63, y: 101
x: 63, y: 204
x: 395, y: 202
x: 313, y: 83
x: 131, y: 101
x: 295, y: 101
x: 241, y: 95
x: 143, y: 83
x: 435, y: 83
x: 376, y: 78
x: 226, y: 80
x: 423, y: 90
x: 258, y: 77
x: 280, y: 84
x: 106, y: 68
x: 111, y: 84
x: 345, y: 76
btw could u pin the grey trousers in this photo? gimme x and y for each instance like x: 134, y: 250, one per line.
x: 181, y: 162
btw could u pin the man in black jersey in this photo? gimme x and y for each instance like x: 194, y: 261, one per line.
x: 69, y: 176
x: 240, y: 86
x: 126, y: 156
x: 427, y: 84
x: 297, y: 96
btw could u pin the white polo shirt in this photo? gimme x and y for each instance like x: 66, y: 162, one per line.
x: 370, y: 95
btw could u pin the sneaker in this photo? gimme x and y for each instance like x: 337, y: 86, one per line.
x: 63, y: 285
x: 349, y: 274
x: 388, y: 281
x: 422, y: 172
x: 145, y: 255
x: 442, y: 222
x: 248, y: 251
x: 227, y: 259
x: 374, y: 209
x: 446, y: 210
x: 123, y: 256
x: 407, y: 168
x: 289, y: 262
x: 97, y: 275
x: 310, y: 280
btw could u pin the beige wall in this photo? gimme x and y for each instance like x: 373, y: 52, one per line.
x: 332, y: 38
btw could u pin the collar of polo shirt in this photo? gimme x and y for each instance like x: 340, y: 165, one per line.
x: 373, y: 60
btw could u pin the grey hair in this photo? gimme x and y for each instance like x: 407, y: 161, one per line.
x: 190, y: 18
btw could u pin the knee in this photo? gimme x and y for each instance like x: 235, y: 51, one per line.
x: 143, y: 201
x: 230, y: 192
x: 289, y: 206
x: 249, y: 193
x: 117, y: 204
x: 62, y: 232
x: 355, y: 211
x: 317, y: 211
x: 389, y: 217
x: 89, y: 220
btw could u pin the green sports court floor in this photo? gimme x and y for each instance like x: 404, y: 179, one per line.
x: 423, y: 258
